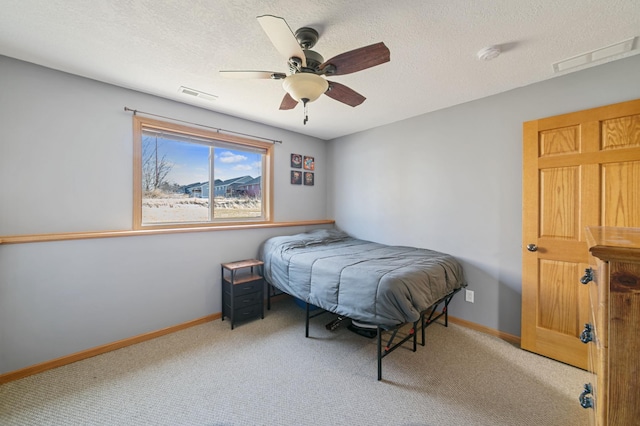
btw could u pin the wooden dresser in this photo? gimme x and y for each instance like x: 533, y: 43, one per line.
x: 613, y: 335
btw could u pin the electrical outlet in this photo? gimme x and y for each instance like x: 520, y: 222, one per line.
x: 468, y: 296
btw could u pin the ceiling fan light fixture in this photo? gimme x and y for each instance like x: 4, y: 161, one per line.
x: 305, y: 85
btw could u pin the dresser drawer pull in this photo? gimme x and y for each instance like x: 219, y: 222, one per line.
x: 587, y: 334
x: 588, y: 276
x: 585, y: 400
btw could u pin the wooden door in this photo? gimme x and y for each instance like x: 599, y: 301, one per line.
x: 580, y: 169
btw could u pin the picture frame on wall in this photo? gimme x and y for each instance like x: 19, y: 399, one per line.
x: 296, y: 161
x: 308, y: 178
x: 309, y: 163
x: 296, y: 177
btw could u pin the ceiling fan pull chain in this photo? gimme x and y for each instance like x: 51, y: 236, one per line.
x: 306, y: 116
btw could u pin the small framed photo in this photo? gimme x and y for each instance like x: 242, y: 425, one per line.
x: 296, y: 161
x: 296, y: 177
x: 308, y: 178
x: 309, y: 163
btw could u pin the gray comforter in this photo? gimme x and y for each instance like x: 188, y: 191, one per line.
x: 365, y: 281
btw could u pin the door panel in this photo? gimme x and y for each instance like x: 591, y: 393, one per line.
x: 623, y: 132
x: 560, y: 198
x: 558, y: 307
x: 560, y: 141
x: 621, y: 186
x: 580, y: 169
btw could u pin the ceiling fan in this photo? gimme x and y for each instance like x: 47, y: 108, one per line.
x: 307, y: 69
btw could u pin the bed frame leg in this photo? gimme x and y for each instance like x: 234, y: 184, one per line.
x: 306, y: 324
x: 445, y: 311
x: 379, y: 353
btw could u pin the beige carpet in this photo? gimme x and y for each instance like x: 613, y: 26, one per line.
x: 265, y: 372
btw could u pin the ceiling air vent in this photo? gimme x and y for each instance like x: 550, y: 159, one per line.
x: 197, y: 94
x: 596, y: 55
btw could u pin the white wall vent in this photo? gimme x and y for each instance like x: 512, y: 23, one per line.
x: 197, y: 94
x: 596, y: 55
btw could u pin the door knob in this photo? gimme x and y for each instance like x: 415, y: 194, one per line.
x: 532, y: 247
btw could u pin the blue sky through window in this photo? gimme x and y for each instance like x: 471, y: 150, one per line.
x: 190, y: 162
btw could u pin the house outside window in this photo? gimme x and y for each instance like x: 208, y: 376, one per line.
x: 174, y: 167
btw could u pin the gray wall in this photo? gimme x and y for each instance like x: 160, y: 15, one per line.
x: 66, y: 166
x: 451, y: 181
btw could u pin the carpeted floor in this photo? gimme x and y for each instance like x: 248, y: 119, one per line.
x: 265, y: 372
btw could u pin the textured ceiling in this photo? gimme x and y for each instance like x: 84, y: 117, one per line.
x: 156, y: 46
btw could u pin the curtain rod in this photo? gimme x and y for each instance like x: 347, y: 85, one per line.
x: 135, y: 111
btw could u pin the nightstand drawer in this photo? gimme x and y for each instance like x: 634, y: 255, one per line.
x: 247, y: 312
x: 243, y: 299
x: 248, y: 287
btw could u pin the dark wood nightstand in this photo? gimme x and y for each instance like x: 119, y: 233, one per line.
x: 242, y: 290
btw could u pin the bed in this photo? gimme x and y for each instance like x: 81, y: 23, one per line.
x: 382, y: 286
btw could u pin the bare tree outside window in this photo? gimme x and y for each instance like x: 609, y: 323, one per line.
x: 155, y: 166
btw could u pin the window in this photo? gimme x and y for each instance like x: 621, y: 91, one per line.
x: 186, y: 177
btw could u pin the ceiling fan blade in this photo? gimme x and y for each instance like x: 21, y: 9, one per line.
x: 357, y: 59
x: 288, y: 102
x: 342, y: 93
x: 252, y: 74
x: 282, y: 37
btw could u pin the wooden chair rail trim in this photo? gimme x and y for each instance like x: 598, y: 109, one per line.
x: 38, y: 238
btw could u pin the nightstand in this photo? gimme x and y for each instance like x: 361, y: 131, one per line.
x: 242, y: 290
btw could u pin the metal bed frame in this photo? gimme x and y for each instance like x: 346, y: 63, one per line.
x: 423, y: 322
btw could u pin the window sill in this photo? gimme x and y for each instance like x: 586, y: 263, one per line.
x: 38, y: 238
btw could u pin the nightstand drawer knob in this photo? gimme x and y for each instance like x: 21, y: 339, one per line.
x: 587, y: 277
x: 585, y: 400
x: 587, y: 334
